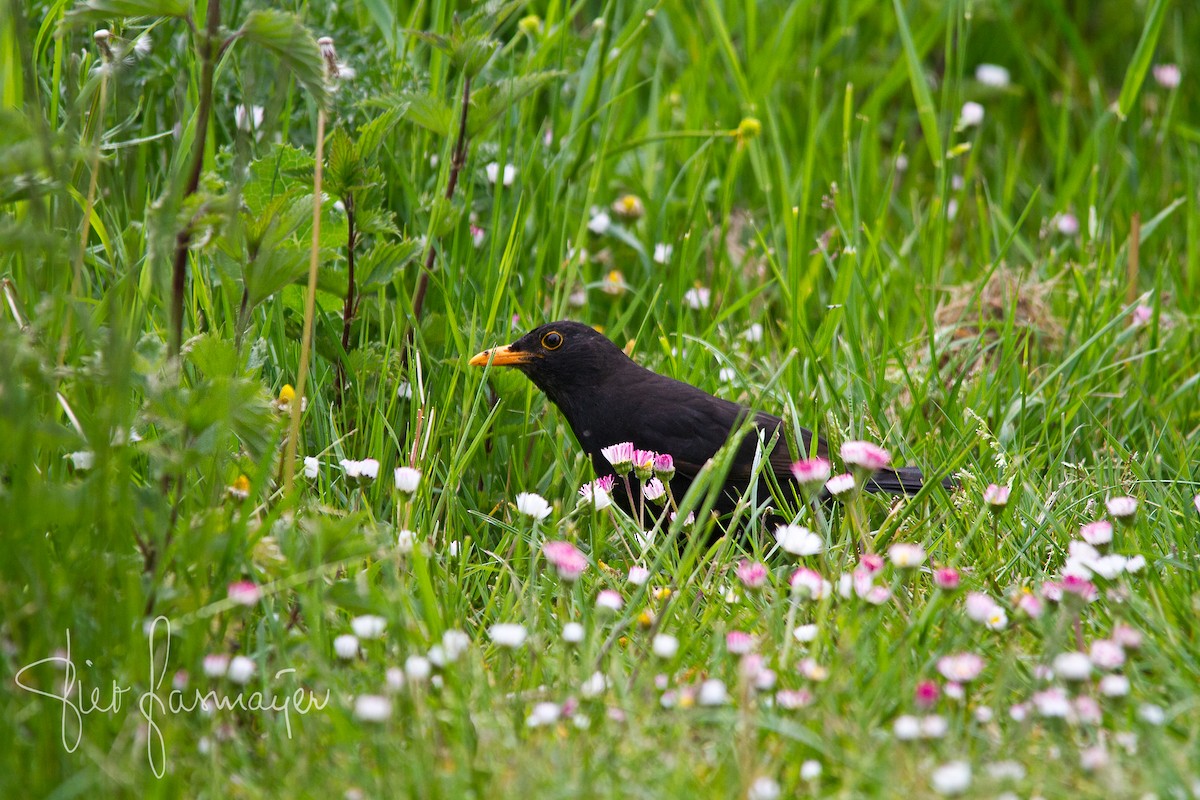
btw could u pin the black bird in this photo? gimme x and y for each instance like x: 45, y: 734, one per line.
x: 608, y: 398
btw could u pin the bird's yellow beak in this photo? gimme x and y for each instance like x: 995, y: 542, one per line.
x: 500, y: 357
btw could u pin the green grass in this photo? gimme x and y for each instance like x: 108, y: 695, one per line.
x: 913, y: 287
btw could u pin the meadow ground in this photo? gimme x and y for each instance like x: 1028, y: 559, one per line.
x: 965, y: 231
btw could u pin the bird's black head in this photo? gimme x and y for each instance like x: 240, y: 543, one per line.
x: 562, y: 358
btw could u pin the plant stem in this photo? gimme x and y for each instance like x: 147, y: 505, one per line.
x: 348, y: 310
x: 208, y: 67
x: 457, y: 162
x: 89, y: 204
x: 289, y: 457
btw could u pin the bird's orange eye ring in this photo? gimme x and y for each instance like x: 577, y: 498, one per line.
x: 552, y: 340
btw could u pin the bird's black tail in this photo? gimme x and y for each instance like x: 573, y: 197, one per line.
x: 901, y: 480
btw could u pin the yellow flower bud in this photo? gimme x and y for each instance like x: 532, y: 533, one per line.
x: 749, y: 128
x: 530, y: 25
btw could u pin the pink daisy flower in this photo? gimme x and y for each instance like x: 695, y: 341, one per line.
x: 811, y: 473
x: 996, y: 496
x: 664, y: 467
x: 946, y: 578
x: 620, y: 456
x: 739, y: 642
x: 865, y: 456
x: 960, y: 667
x: 244, y: 593
x: 752, y: 574
x: 1097, y: 533
x: 841, y: 486
x: 566, y: 559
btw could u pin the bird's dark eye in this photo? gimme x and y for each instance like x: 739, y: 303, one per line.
x: 552, y: 340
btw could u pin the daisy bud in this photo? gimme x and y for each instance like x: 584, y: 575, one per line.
x: 566, y: 559
x: 620, y: 456
x: 906, y: 555
x: 643, y: 464
x: 739, y: 642
x: 1122, y: 508
x: 244, y: 593
x: 841, y: 487
x: 1097, y: 533
x: 811, y: 474
x: 798, y: 540
x: 1166, y: 75
x: 996, y: 497
x: 1073, y: 666
x: 533, y: 505
x: 927, y: 694
x: 407, y: 479
x: 960, y: 667
x: 372, y: 708
x: 241, y: 670
x: 654, y: 490
x: 609, y: 600
x: 665, y: 646
x: 946, y: 578
x: 752, y: 574
x: 507, y: 634
x: 992, y: 75
x: 638, y: 575
x: 346, y: 646
x: 971, y: 115
x: 664, y: 467
x: 863, y: 458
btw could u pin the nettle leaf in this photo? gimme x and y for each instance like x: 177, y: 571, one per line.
x: 429, y: 112
x: 489, y: 17
x: 285, y: 36
x: 471, y: 54
x: 100, y: 10
x: 376, y: 221
x: 372, y: 133
x: 343, y: 168
x: 274, y: 269
x: 212, y: 355
x: 381, y: 263
x: 489, y: 102
x: 280, y: 220
x: 444, y: 216
x: 286, y: 170
x: 437, y: 40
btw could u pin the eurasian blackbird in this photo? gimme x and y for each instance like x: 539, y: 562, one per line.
x: 608, y: 398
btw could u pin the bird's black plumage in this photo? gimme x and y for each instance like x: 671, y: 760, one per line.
x: 608, y: 398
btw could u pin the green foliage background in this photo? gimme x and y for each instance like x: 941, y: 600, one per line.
x: 910, y: 275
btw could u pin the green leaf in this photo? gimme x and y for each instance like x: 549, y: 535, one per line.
x: 343, y: 170
x: 444, y: 214
x: 275, y: 269
x: 101, y: 10
x: 384, y: 260
x: 213, y: 356
x: 1142, y: 56
x: 492, y: 101
x: 385, y: 19
x: 284, y: 35
x: 284, y: 170
x: 371, y: 133
x: 926, y: 111
x: 435, y: 39
x: 493, y: 15
x: 471, y: 54
x: 427, y: 111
